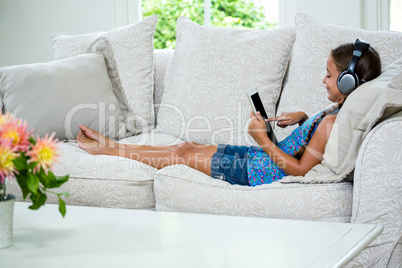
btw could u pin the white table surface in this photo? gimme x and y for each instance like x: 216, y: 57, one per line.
x: 100, y: 237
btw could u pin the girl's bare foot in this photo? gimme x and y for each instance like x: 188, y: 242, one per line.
x: 94, y: 135
x: 90, y: 145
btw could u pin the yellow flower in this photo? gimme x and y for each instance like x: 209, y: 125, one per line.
x: 14, y: 130
x: 44, y: 152
x: 7, y: 155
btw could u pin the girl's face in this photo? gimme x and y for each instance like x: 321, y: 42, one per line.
x: 329, y: 80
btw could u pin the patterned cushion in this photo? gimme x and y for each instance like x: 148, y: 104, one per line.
x: 162, y: 61
x: 133, y: 51
x: 180, y: 188
x: 304, y: 89
x: 212, y: 68
x: 105, y: 181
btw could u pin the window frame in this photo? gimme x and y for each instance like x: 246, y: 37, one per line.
x: 129, y: 11
x: 376, y: 15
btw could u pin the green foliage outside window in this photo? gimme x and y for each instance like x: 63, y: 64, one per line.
x: 224, y: 13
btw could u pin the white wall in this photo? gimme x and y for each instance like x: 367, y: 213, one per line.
x: 345, y: 12
x: 26, y: 25
x: 366, y: 14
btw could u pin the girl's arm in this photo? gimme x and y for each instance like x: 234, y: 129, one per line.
x: 293, y: 166
x: 289, y: 119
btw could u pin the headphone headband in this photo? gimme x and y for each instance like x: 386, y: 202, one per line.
x: 348, y: 80
x: 360, y: 47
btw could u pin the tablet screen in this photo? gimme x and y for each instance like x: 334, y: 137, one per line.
x: 258, y: 105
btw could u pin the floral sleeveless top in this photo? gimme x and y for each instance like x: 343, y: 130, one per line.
x: 261, y: 169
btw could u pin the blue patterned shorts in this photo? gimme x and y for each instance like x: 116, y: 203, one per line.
x: 229, y: 163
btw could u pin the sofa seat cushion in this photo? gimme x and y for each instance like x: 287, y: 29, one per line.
x: 105, y: 181
x: 183, y: 189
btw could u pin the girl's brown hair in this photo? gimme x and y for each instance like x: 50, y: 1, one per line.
x: 368, y: 68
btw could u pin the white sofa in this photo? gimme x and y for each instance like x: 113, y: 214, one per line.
x: 371, y: 194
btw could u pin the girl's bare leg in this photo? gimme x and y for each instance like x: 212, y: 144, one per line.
x: 196, y: 156
x: 93, y: 134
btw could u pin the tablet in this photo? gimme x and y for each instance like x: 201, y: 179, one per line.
x: 257, y: 106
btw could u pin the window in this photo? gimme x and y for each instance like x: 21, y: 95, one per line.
x: 395, y: 15
x: 256, y: 14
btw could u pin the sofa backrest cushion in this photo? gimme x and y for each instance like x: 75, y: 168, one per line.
x: 212, y: 68
x: 133, y: 50
x: 162, y: 62
x: 304, y: 89
x: 369, y: 104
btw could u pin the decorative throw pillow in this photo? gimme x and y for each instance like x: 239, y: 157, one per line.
x: 58, y: 96
x: 211, y: 69
x: 314, y: 41
x: 162, y: 61
x: 102, y: 46
x: 133, y: 51
x: 367, y: 105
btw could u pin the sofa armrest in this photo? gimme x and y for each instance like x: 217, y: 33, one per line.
x: 377, y: 192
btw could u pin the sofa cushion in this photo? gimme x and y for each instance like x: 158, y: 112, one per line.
x: 103, y: 46
x: 304, y: 89
x: 368, y: 105
x: 212, y: 68
x: 133, y: 50
x: 183, y: 189
x: 162, y: 61
x: 105, y: 181
x: 58, y: 95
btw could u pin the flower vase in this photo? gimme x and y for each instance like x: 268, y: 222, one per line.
x: 6, y: 221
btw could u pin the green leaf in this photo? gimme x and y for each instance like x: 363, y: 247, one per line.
x: 33, y: 183
x: 32, y: 140
x: 21, y: 162
x: 61, y: 180
x: 50, y: 180
x: 62, y: 207
x: 38, y: 200
x: 45, y: 179
x: 32, y: 165
x: 22, y: 182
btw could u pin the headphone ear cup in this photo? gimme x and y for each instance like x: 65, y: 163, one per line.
x: 346, y: 82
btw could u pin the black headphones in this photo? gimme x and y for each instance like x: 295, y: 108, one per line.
x: 347, y: 81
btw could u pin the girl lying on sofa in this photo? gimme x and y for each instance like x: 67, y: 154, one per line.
x: 251, y: 166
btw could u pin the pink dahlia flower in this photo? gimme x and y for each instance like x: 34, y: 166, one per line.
x: 7, y: 155
x: 16, y: 131
x: 44, y: 152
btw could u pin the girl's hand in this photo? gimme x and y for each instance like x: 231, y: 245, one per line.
x: 257, y: 128
x: 288, y: 119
